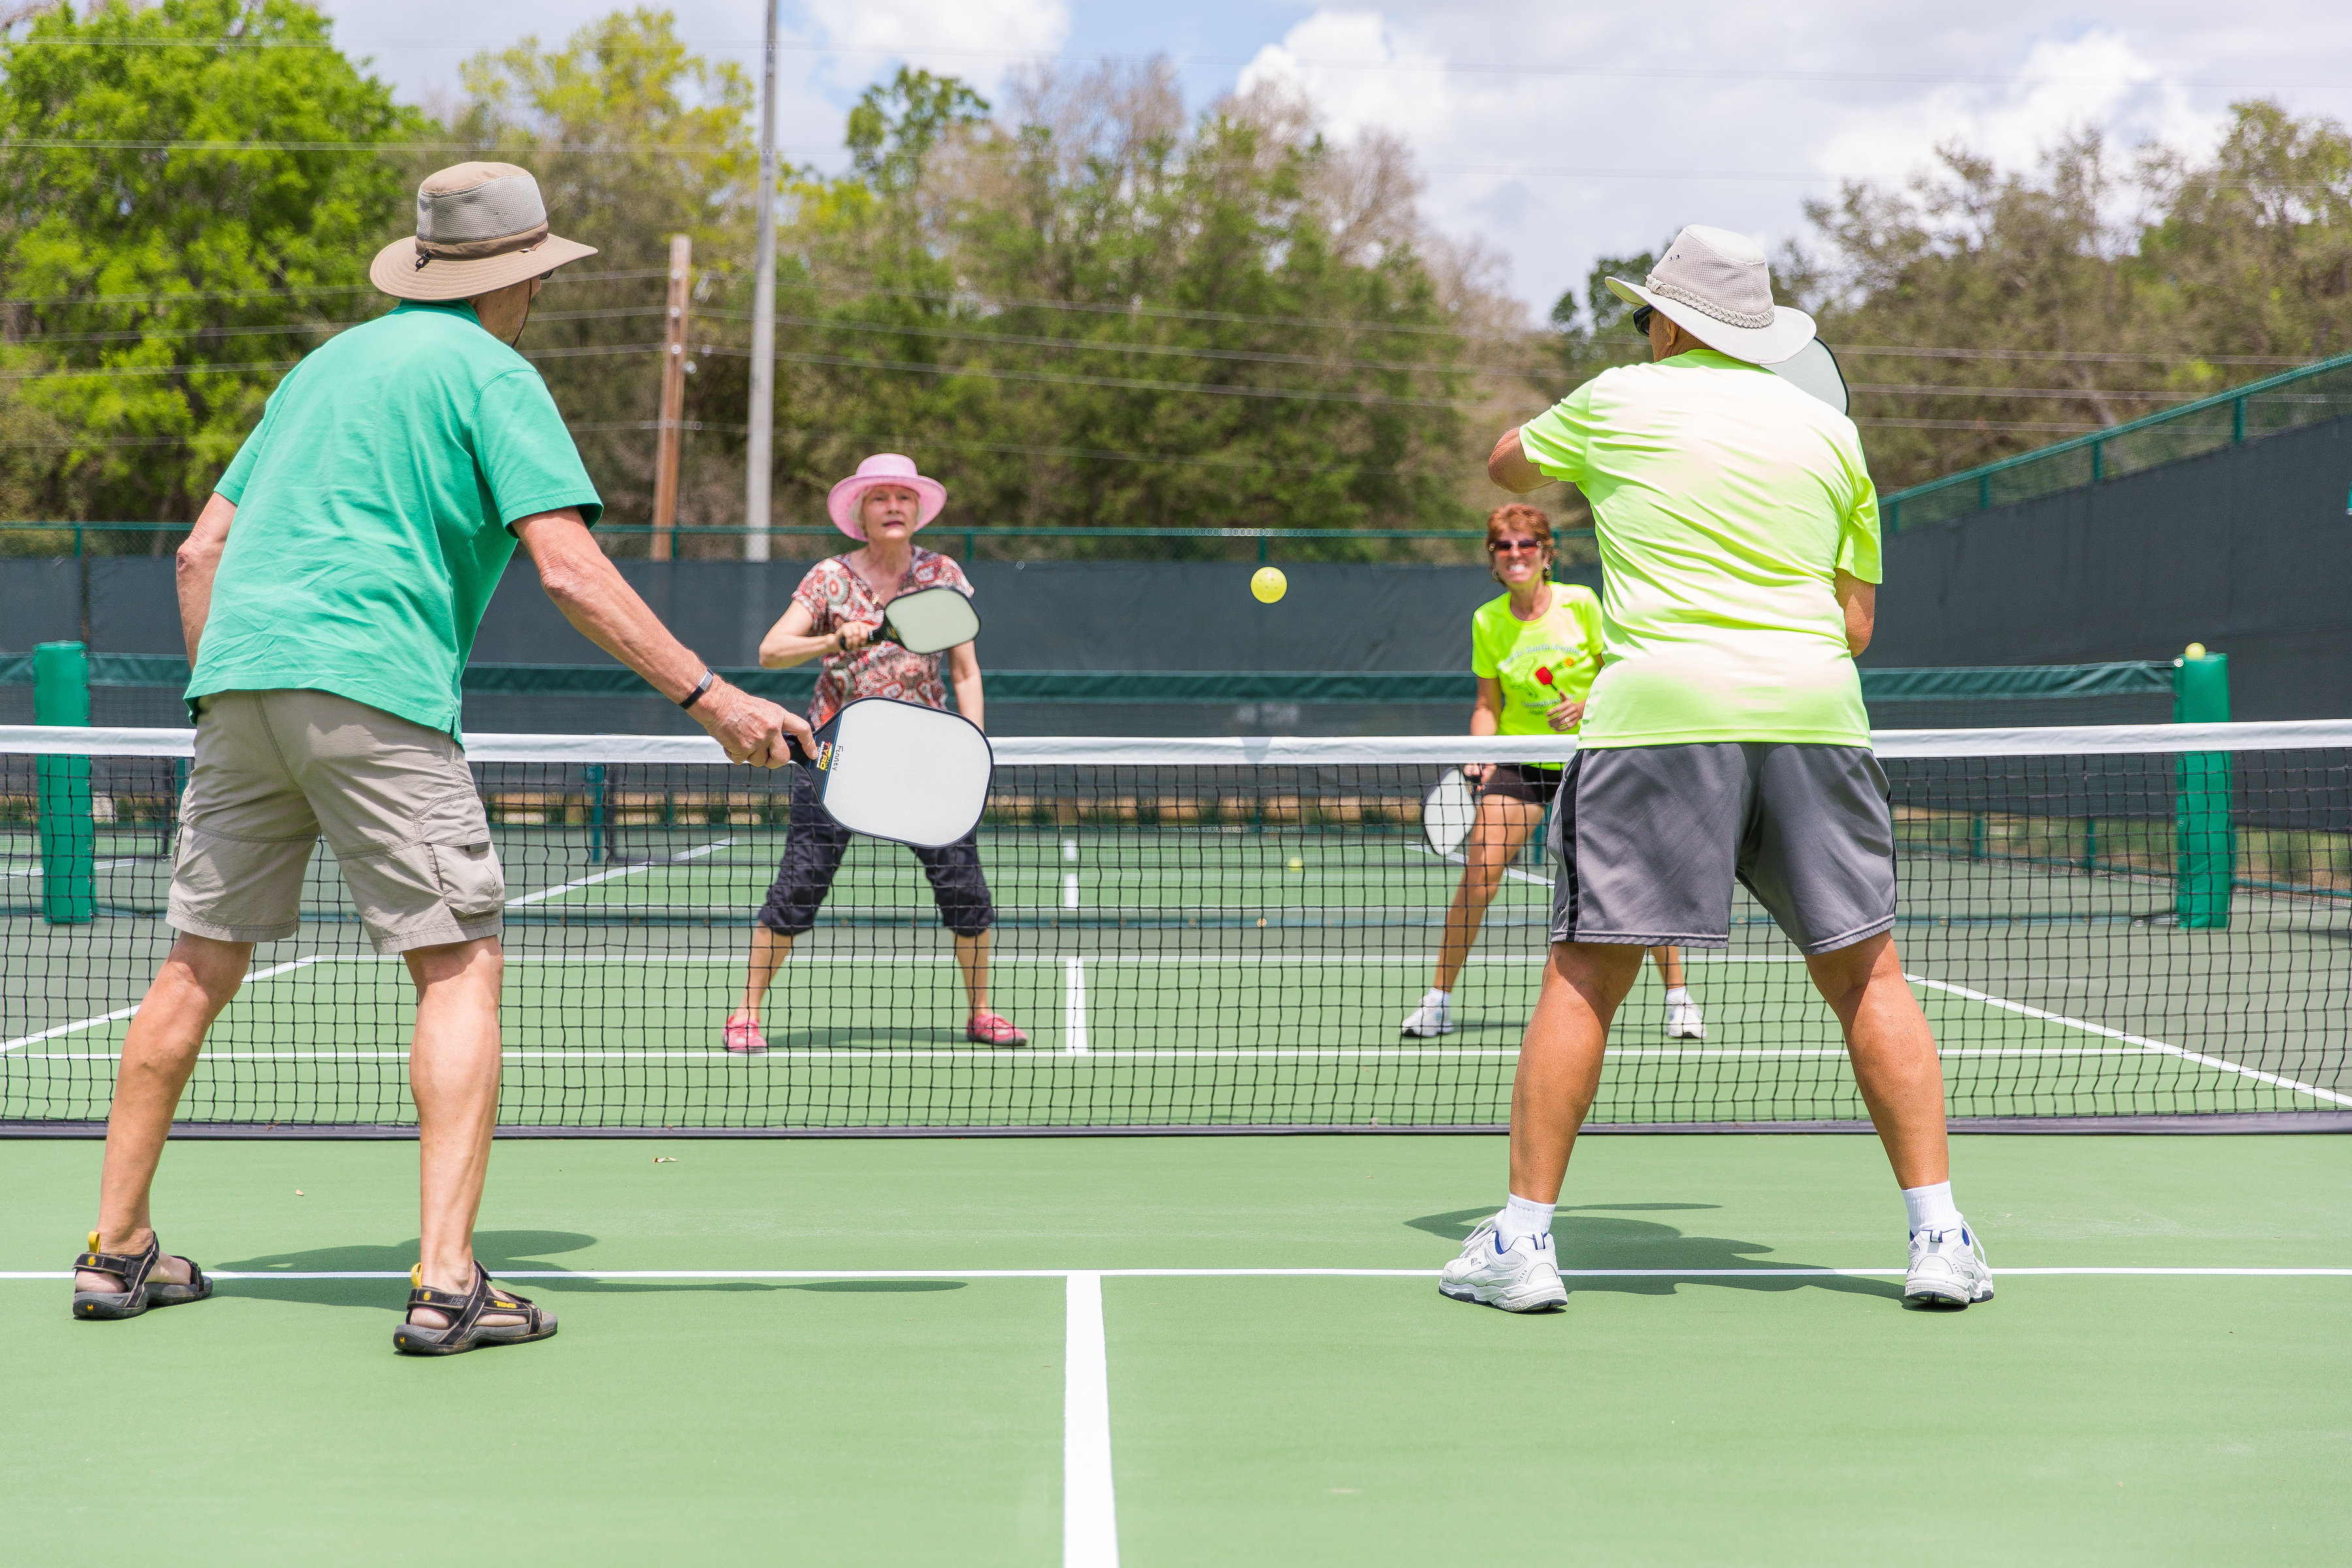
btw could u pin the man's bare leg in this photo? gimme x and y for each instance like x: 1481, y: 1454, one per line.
x: 1894, y: 1055
x: 769, y: 951
x: 1496, y: 836
x: 453, y: 1071
x: 159, y: 1051
x: 1559, y: 1059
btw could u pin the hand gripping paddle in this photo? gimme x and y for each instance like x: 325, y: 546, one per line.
x: 930, y: 620
x: 900, y: 771
x: 1447, y: 812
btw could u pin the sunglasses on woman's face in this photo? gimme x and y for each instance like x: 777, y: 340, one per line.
x: 1642, y: 318
x: 1515, y: 547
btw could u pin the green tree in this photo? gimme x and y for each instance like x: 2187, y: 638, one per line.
x: 158, y: 291
x: 632, y: 138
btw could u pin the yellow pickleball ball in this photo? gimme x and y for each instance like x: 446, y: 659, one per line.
x: 1297, y: 864
x: 2194, y: 650
x: 1269, y: 584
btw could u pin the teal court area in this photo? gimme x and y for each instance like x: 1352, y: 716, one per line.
x: 1183, y: 1349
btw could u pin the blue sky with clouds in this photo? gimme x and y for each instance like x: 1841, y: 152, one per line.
x: 1551, y: 131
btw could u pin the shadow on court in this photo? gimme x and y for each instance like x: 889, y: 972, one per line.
x: 499, y: 1251
x: 1590, y: 1236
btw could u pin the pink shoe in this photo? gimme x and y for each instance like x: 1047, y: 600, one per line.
x: 742, y: 1035
x: 994, y: 1029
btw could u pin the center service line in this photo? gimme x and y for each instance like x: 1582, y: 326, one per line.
x: 1089, y: 1511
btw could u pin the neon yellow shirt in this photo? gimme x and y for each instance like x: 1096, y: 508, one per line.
x: 1726, y: 501
x: 1563, y: 643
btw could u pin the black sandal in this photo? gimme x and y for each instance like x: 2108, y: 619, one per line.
x: 138, y: 1292
x: 466, y: 1331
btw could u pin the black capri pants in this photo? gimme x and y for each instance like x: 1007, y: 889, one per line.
x: 813, y: 846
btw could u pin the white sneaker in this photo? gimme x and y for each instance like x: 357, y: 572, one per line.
x: 1521, y: 1277
x: 1947, y: 1270
x: 1433, y: 1016
x: 1685, y: 1022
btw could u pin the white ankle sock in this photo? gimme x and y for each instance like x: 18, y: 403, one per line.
x: 1434, y: 994
x: 1931, y: 1208
x: 1520, y: 1218
x: 1677, y: 994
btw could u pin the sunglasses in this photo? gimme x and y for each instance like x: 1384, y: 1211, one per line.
x: 1515, y: 547
x: 1642, y: 318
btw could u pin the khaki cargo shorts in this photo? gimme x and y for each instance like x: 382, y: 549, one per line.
x: 276, y: 771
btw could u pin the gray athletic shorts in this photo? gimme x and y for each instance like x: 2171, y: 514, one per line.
x: 1650, y: 838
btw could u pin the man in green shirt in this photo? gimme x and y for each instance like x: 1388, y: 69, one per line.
x: 328, y: 593
x: 1725, y: 739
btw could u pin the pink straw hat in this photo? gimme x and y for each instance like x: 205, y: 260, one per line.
x: 883, y: 469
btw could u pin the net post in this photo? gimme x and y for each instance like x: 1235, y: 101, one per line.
x: 68, y: 818
x: 594, y: 773
x: 2204, y: 842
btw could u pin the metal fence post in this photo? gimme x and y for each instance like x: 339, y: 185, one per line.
x: 68, y: 821
x: 2204, y: 842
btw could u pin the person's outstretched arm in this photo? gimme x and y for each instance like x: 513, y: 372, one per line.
x: 1512, y: 469
x: 595, y: 598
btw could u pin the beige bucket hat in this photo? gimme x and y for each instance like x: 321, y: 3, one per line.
x: 1715, y: 285
x: 479, y: 226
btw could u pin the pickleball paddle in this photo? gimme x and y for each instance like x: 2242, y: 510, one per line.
x: 900, y: 771
x: 930, y: 620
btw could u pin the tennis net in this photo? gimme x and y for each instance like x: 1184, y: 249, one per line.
x: 2137, y: 925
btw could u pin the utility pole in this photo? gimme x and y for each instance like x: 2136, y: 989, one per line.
x: 672, y: 425
x: 760, y: 456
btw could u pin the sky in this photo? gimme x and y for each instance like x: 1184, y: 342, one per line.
x: 1552, y: 132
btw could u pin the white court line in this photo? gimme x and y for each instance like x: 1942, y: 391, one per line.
x: 2142, y: 1041
x: 95, y: 866
x: 1073, y: 1007
x: 1069, y: 890
x: 1458, y: 858
x: 2126, y: 1271
x: 712, y: 848
x: 1089, y: 1511
x: 120, y: 1012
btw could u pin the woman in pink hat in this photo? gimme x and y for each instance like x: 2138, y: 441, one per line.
x: 835, y: 614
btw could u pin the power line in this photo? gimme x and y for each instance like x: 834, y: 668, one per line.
x: 1421, y: 67
x: 1130, y: 384
x: 289, y: 291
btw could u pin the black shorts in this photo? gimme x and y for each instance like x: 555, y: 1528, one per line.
x: 812, y: 850
x: 1522, y: 781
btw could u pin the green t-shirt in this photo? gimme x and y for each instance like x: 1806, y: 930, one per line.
x: 1564, y: 643
x: 372, y: 511
x: 1726, y: 501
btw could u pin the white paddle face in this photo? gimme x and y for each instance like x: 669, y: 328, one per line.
x: 1447, y: 812
x: 931, y: 620
x: 903, y: 772
x: 1815, y: 369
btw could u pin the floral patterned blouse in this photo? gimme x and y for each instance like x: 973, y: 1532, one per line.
x: 835, y: 595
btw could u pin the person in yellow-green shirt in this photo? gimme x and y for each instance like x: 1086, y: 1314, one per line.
x: 1727, y: 743
x: 1535, y: 651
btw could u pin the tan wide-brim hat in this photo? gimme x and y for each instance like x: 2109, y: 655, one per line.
x: 1715, y: 286
x: 479, y: 226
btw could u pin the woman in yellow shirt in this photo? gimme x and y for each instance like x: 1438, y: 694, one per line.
x: 1535, y: 651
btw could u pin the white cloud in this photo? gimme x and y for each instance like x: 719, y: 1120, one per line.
x: 968, y: 38
x: 1723, y: 106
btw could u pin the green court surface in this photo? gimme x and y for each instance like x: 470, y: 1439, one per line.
x: 908, y: 1363
x: 1192, y: 976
